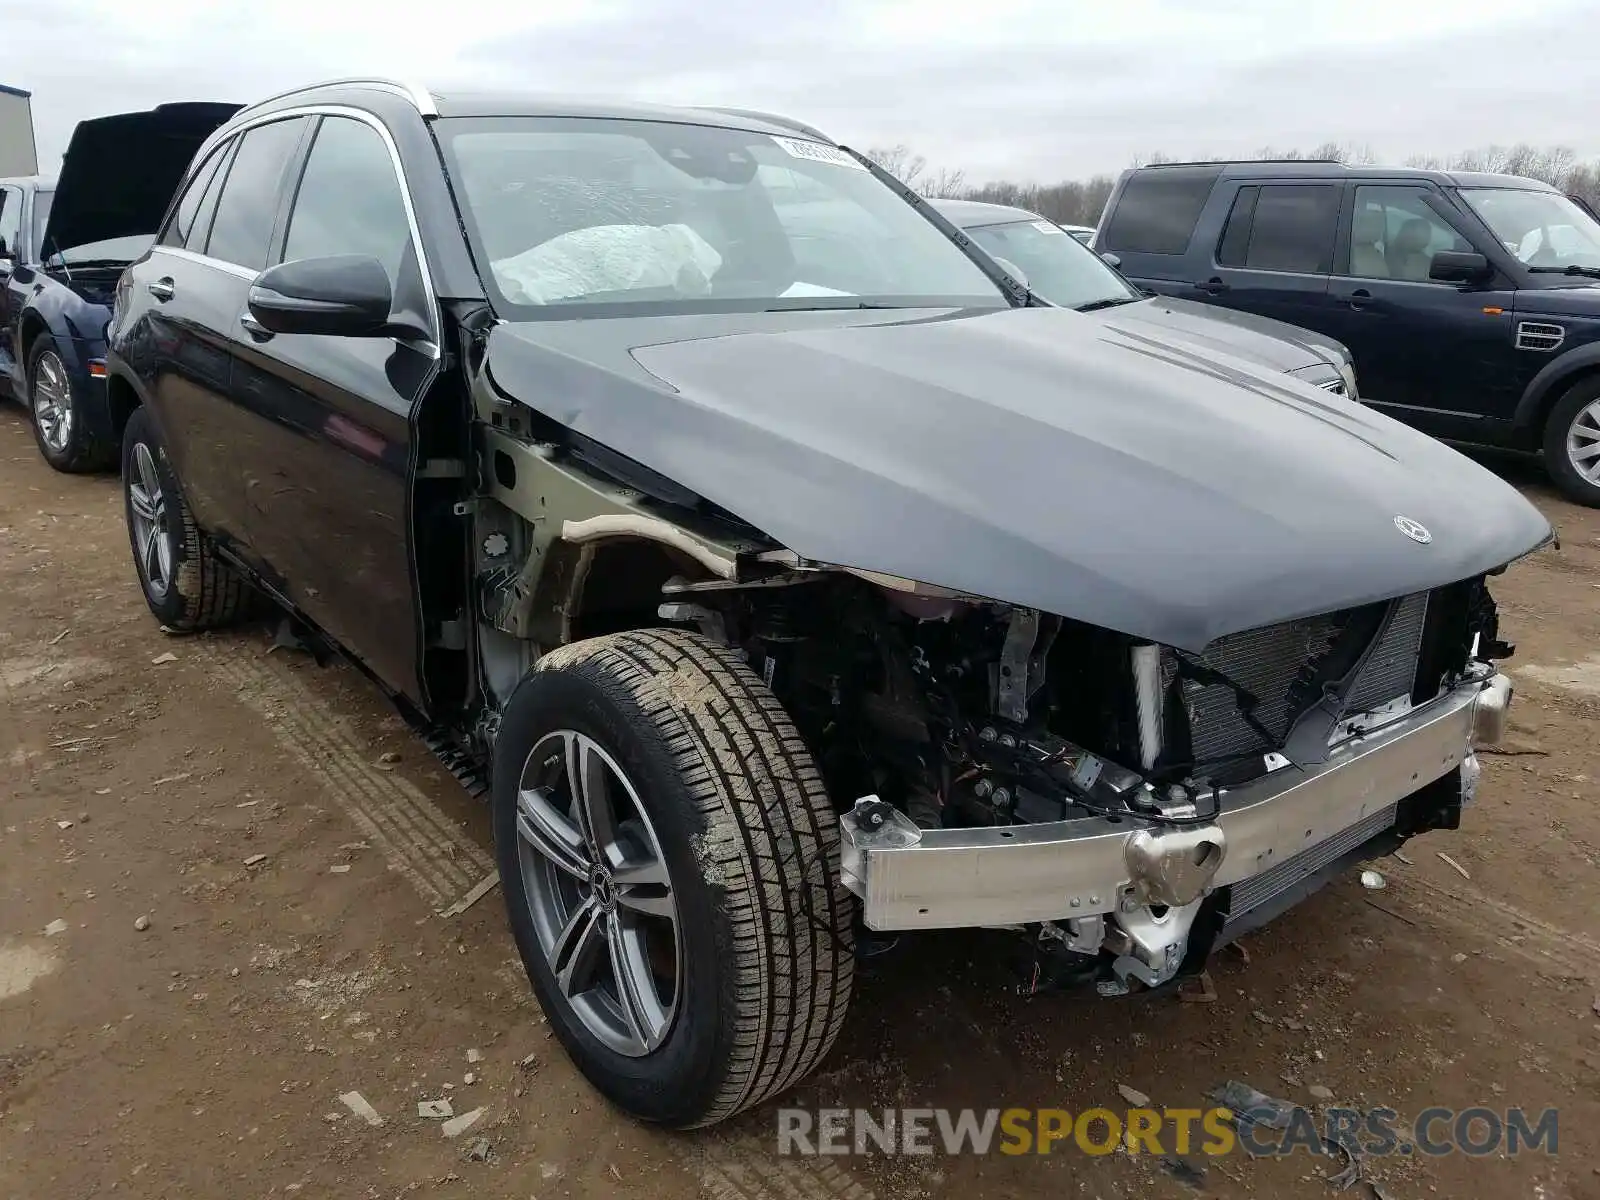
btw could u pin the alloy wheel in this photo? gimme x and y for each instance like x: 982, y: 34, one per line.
x: 599, y: 892
x: 152, y: 539
x: 1583, y: 442
x: 52, y: 402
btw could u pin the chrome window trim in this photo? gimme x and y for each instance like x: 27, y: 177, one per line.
x: 421, y: 99
x: 206, y: 260
x: 429, y: 343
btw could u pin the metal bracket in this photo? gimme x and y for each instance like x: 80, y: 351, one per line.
x: 1016, y: 660
x: 1151, y: 948
x: 709, y: 620
x: 442, y: 468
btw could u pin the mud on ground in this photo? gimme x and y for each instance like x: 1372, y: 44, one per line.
x: 290, y: 847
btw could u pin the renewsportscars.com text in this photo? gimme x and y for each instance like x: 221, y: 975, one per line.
x: 1378, y: 1132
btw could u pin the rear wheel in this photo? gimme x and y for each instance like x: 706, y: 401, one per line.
x: 59, y: 425
x: 1572, y: 443
x: 670, y: 865
x: 184, y: 583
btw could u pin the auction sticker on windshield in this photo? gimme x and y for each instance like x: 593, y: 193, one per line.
x: 817, y: 152
x: 1047, y: 227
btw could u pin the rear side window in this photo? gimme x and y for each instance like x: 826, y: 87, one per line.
x: 183, y: 223
x: 241, y: 232
x: 201, y: 229
x: 1282, y: 227
x: 1158, y: 209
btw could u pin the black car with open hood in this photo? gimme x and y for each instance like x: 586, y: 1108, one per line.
x: 784, y: 572
x: 117, y: 178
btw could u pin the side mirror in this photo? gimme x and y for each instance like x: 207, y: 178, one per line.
x: 345, y: 295
x: 1011, y: 269
x: 1459, y: 266
x: 1111, y: 260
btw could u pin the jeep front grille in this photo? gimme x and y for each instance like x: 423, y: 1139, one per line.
x: 1276, y: 664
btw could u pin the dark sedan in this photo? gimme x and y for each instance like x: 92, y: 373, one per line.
x: 1061, y: 270
x: 68, y: 241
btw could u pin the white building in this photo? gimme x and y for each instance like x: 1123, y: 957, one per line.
x: 18, y: 154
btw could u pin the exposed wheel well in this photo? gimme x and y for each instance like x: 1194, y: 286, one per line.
x: 621, y: 587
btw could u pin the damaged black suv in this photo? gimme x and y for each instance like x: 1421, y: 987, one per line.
x: 786, y: 572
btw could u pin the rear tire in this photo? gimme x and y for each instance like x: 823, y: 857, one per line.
x: 741, y: 841
x: 186, y: 586
x: 1572, y: 443
x: 59, y: 424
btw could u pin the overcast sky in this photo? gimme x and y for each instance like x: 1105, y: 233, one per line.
x: 1021, y: 89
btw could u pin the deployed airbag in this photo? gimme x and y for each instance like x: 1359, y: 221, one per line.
x: 609, y: 258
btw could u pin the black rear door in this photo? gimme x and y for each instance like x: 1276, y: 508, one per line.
x: 1275, y: 254
x: 192, y: 289
x: 326, y: 481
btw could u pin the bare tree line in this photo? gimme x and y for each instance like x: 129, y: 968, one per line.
x: 1080, y: 201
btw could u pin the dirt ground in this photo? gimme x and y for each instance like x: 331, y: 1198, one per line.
x: 222, y: 869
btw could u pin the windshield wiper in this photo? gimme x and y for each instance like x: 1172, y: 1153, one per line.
x: 1108, y: 302
x: 1573, y: 269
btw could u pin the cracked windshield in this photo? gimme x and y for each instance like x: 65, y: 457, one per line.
x: 686, y: 217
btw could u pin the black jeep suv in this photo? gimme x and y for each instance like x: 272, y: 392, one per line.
x: 1471, y: 302
x: 786, y: 569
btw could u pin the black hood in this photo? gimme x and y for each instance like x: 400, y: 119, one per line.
x: 1032, y: 456
x: 119, y: 172
x: 1274, y: 344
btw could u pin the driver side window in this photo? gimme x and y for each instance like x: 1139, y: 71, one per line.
x: 350, y: 202
x: 1394, y: 234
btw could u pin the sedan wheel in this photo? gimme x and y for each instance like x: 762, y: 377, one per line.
x: 152, y: 537
x: 52, y: 402
x: 598, y: 892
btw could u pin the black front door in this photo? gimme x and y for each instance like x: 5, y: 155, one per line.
x: 326, y: 483
x: 1437, y: 355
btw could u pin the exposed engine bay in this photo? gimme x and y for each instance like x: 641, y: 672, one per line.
x: 945, y: 713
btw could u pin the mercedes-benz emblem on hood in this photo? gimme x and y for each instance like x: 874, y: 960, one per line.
x: 1415, y: 530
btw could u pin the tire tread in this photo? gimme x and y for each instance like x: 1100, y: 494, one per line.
x: 774, y: 847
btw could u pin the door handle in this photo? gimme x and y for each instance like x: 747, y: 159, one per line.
x: 162, y: 289
x: 255, y: 328
x: 1212, y: 287
x: 1359, y: 299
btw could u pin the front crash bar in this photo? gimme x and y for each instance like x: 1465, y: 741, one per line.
x: 912, y: 878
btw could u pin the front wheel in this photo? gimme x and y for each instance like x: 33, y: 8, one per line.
x: 60, y: 425
x: 670, y: 865
x: 1572, y: 444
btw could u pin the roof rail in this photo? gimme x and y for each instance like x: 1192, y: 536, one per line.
x: 1239, y: 162
x: 420, y: 97
x: 770, y: 119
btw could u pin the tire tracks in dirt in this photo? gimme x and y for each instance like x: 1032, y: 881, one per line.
x: 1469, y: 910
x: 436, y: 856
x: 444, y: 864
